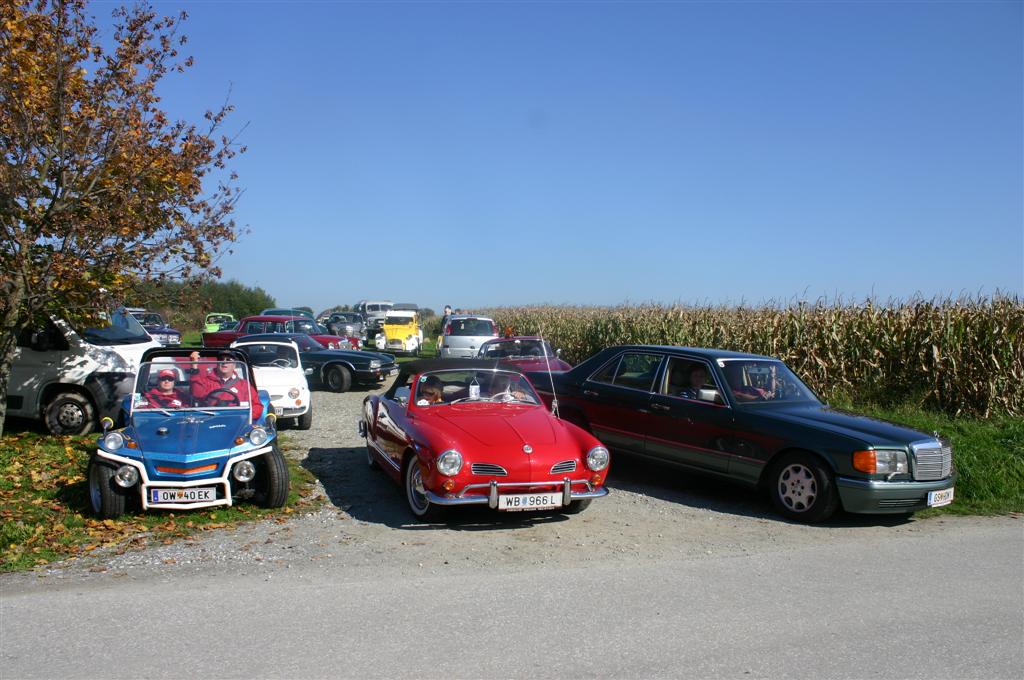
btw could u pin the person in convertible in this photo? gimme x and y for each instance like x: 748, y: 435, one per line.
x: 165, y: 394
x: 220, y: 385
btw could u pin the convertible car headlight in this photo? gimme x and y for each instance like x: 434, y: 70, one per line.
x: 258, y: 436
x: 597, y: 458
x: 881, y: 462
x: 112, y: 441
x: 449, y: 463
x: 374, y: 364
x: 293, y: 393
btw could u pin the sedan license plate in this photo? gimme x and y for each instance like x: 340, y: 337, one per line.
x: 531, y: 501
x: 941, y: 497
x: 196, y: 494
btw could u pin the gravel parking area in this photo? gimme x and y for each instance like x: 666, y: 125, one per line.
x: 652, y: 513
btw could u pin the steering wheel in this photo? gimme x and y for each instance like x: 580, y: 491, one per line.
x: 503, y: 397
x: 209, y: 397
x: 281, y: 363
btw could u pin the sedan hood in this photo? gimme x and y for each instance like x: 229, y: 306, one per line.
x: 871, y: 431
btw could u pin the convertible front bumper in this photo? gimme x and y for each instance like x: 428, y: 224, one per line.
x: 494, y: 489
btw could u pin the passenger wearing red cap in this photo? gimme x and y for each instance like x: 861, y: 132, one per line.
x: 165, y: 394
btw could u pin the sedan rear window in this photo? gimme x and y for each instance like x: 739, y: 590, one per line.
x: 475, y: 327
x: 635, y: 371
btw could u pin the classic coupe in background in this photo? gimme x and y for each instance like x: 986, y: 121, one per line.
x: 467, y: 432
x: 750, y: 419
x: 254, y: 325
x: 335, y: 369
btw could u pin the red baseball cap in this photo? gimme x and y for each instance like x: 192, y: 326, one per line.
x: 167, y: 373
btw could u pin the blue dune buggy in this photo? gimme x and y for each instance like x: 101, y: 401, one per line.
x: 198, y: 435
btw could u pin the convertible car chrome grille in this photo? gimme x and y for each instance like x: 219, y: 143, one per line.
x: 934, y: 460
x: 488, y: 469
x: 564, y: 466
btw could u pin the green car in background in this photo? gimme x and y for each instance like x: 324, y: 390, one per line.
x: 215, y: 320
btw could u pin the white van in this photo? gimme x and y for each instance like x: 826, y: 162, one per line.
x: 70, y: 378
x: 374, y: 311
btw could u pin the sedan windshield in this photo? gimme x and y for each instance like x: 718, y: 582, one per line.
x: 763, y: 380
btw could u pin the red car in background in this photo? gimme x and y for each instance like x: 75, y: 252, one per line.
x: 469, y: 432
x: 525, y: 352
x: 267, y: 323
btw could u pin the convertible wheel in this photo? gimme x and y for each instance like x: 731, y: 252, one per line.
x: 272, y: 479
x: 70, y: 413
x: 415, y: 494
x: 105, y: 496
x: 370, y: 460
x: 338, y: 379
x: 802, y: 488
x: 577, y: 507
x: 305, y: 421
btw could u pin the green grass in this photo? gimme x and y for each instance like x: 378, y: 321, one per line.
x: 988, y: 454
x: 192, y: 338
x: 45, y: 513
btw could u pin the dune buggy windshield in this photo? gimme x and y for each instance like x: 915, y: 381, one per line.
x: 180, y: 385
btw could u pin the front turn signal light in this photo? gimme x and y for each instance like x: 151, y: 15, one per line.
x: 865, y: 461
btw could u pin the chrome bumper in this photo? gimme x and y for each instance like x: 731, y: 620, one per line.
x: 491, y: 499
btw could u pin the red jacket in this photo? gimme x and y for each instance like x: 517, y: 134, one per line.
x: 158, y: 399
x: 206, y: 380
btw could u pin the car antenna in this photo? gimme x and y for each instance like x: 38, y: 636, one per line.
x: 547, y: 362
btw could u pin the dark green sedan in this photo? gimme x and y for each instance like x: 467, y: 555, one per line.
x: 750, y: 419
x: 336, y: 369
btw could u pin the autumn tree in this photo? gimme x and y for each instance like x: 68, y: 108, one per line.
x: 99, y: 189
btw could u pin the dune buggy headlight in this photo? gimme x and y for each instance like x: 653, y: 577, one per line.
x: 449, y: 463
x: 244, y: 471
x: 597, y: 458
x: 374, y: 364
x: 126, y: 476
x: 258, y: 436
x: 112, y: 441
x: 294, y: 393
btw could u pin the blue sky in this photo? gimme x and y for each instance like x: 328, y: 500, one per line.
x: 505, y: 153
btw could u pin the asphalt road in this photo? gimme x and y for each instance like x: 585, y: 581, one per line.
x: 945, y: 602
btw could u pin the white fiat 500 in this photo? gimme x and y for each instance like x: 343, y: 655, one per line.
x: 277, y: 367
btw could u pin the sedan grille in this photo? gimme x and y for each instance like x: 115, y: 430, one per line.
x: 489, y: 469
x: 564, y: 466
x: 934, y: 460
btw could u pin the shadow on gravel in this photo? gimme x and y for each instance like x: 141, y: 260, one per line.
x: 371, y: 496
x: 670, y: 484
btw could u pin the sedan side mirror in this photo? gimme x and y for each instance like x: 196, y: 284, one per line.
x: 711, y: 395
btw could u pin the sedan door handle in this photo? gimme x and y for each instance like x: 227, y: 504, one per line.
x: 660, y: 407
x: 590, y: 393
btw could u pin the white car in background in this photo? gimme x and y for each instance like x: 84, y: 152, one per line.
x: 277, y: 368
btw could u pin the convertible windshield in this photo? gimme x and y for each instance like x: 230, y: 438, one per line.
x: 515, y: 348
x: 180, y: 385
x: 121, y: 328
x: 763, y: 380
x: 458, y: 386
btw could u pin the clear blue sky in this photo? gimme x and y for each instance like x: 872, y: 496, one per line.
x: 504, y: 153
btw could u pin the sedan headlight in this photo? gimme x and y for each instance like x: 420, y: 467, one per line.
x: 597, y: 458
x: 258, y: 436
x: 881, y: 462
x: 112, y: 441
x: 449, y: 463
x: 374, y: 363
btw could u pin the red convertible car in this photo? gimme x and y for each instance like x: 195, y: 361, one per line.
x: 269, y: 323
x: 468, y: 431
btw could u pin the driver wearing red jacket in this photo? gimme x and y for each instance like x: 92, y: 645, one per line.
x: 219, y: 385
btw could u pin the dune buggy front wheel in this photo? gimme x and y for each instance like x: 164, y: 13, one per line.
x: 272, y: 474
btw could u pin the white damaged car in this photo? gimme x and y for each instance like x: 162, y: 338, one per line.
x: 277, y: 367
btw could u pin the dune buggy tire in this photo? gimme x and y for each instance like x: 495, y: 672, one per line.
x: 70, y: 413
x: 305, y: 421
x: 802, y: 488
x: 274, y: 473
x: 338, y: 379
x: 105, y: 496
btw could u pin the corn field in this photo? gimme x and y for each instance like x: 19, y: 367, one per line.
x: 961, y: 356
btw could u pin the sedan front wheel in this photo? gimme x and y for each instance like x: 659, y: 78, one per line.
x: 803, y: 488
